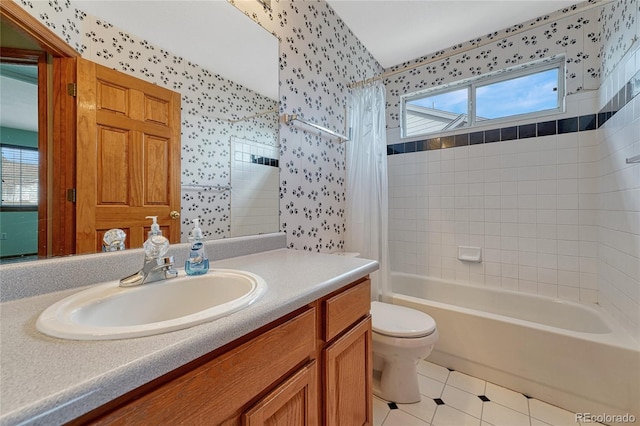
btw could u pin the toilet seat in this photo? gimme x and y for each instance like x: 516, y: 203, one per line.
x: 400, y: 322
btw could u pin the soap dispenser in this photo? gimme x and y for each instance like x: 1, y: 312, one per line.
x: 156, y: 245
x: 197, y: 263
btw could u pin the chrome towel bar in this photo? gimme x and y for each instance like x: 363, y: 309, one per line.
x: 208, y: 187
x: 288, y: 118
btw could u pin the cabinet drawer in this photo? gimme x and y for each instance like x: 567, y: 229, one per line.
x: 218, y: 390
x: 346, y: 308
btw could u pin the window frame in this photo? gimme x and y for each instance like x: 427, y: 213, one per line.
x: 20, y: 207
x: 472, y: 84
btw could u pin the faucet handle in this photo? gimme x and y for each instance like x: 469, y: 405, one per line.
x: 156, y: 246
x: 113, y: 240
x: 166, y: 264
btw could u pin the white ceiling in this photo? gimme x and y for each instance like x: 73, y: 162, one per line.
x: 396, y: 31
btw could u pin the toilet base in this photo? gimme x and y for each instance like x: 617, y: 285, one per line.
x: 397, y: 382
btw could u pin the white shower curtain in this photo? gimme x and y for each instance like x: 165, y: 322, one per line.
x: 367, y: 210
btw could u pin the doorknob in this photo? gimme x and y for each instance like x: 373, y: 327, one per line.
x: 174, y: 214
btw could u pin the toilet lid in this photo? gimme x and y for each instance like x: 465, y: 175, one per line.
x: 400, y: 321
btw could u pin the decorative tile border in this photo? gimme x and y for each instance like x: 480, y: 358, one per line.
x: 581, y: 123
x: 271, y: 162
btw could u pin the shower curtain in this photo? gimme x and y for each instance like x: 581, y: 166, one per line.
x: 367, y: 188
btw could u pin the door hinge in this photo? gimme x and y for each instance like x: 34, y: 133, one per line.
x: 72, y: 89
x: 71, y: 195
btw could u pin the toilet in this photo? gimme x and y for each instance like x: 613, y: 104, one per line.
x: 401, y: 337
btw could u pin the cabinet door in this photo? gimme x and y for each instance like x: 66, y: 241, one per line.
x: 293, y: 403
x: 348, y: 378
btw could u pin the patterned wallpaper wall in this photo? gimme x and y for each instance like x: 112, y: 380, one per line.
x: 319, y: 57
x: 569, y: 31
x: 211, y: 105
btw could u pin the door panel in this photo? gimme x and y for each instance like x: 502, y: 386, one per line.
x: 128, y: 147
x: 113, y: 166
x: 293, y: 403
x: 157, y: 177
x: 348, y: 378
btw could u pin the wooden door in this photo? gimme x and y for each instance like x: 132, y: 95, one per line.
x: 293, y: 403
x: 348, y: 378
x: 128, y: 157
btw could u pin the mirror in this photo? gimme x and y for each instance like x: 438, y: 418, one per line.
x: 229, y: 101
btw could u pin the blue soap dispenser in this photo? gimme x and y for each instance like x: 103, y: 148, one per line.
x: 197, y: 263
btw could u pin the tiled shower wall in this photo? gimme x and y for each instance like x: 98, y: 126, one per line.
x: 616, y: 204
x: 517, y: 200
x: 255, y: 188
x: 554, y: 214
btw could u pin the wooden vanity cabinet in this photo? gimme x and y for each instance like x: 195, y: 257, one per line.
x: 347, y: 357
x: 311, y: 367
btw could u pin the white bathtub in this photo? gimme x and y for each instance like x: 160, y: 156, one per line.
x: 564, y: 353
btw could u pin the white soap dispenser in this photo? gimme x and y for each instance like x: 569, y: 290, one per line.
x: 156, y: 245
x: 197, y: 263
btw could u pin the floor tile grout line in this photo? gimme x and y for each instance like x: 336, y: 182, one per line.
x: 483, y: 403
x: 433, y: 416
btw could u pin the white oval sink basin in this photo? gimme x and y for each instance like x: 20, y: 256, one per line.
x: 107, y: 311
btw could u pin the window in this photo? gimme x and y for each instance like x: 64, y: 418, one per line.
x: 532, y: 89
x: 19, y: 177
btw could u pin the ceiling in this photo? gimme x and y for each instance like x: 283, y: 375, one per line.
x: 396, y: 31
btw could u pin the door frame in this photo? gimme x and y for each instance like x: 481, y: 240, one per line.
x: 56, y: 174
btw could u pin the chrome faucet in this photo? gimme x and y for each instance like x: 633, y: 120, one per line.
x: 154, y: 269
x: 156, y: 265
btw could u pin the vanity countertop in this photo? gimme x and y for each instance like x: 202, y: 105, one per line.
x: 45, y: 380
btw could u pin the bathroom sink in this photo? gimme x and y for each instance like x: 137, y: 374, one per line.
x: 107, y: 311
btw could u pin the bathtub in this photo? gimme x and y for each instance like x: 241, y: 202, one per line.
x: 567, y: 354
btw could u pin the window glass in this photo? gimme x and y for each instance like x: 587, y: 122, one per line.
x: 441, y: 111
x: 521, y: 95
x: 525, y: 91
x: 19, y: 176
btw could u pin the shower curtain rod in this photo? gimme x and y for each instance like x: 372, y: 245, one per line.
x: 464, y: 50
x: 288, y: 118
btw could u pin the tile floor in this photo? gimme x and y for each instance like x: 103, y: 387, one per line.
x: 451, y: 398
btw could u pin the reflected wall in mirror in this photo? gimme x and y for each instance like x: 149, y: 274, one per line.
x: 19, y: 167
x: 216, y: 108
